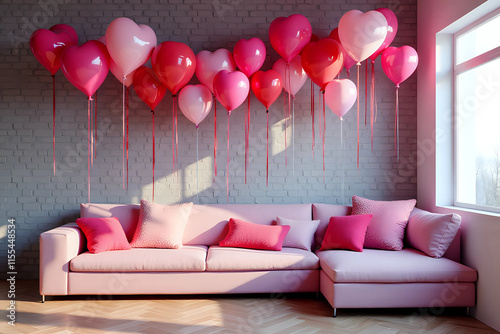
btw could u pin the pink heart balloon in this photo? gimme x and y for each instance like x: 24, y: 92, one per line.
x: 266, y: 85
x: 208, y: 64
x: 130, y: 45
x: 340, y: 95
x: 231, y: 89
x: 289, y: 35
x: 296, y: 78
x: 195, y: 102
x: 117, y: 72
x: 348, y: 61
x: 362, y: 34
x: 47, y: 46
x: 86, y: 66
x: 66, y: 29
x: 392, y: 29
x: 399, y: 63
x: 249, y: 55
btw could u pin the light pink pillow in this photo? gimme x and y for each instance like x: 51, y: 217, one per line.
x: 387, y: 228
x: 432, y: 233
x: 346, y: 232
x: 249, y: 235
x: 103, y: 234
x: 301, y: 234
x: 161, y: 226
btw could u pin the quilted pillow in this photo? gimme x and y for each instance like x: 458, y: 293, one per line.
x: 346, y: 232
x: 103, y: 234
x: 301, y: 234
x: 161, y: 226
x: 432, y: 233
x: 387, y: 228
x: 249, y: 235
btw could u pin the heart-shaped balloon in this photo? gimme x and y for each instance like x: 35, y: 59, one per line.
x: 231, y: 89
x: 340, y: 95
x: 392, y: 29
x: 148, y: 87
x: 130, y: 45
x: 322, y: 61
x: 296, y: 78
x: 86, y: 66
x: 208, y: 64
x: 362, y: 34
x: 47, y: 46
x: 399, y: 63
x: 249, y: 55
x: 289, y: 35
x: 66, y: 29
x: 117, y: 72
x: 174, y: 64
x: 348, y: 61
x: 195, y: 102
x: 266, y: 85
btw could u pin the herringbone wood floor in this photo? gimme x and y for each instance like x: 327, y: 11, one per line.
x: 217, y: 314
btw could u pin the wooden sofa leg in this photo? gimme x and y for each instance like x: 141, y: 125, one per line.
x: 334, y: 312
x: 468, y: 311
x: 43, y: 298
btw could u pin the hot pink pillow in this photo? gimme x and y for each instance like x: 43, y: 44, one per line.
x: 249, y: 235
x: 346, y: 232
x: 103, y: 234
x: 387, y: 228
x: 161, y: 226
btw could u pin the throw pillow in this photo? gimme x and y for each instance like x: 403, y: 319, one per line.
x: 346, y: 232
x: 301, y: 234
x: 387, y: 228
x: 161, y: 226
x: 249, y: 235
x: 103, y: 234
x: 432, y: 233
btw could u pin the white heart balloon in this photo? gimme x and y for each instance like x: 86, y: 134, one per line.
x: 195, y: 102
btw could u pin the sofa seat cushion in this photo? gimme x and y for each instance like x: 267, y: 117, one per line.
x: 244, y: 259
x: 188, y: 258
x: 383, y: 266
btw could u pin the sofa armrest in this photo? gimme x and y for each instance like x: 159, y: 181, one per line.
x: 57, y: 247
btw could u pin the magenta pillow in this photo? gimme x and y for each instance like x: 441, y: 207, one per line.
x: 346, y: 232
x: 387, y: 228
x: 161, y: 226
x: 103, y: 234
x: 249, y: 235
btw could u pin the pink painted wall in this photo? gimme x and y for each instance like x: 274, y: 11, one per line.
x: 480, y: 232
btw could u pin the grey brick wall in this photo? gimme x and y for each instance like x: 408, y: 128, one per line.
x: 38, y: 200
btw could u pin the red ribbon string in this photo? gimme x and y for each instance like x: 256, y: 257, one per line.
x: 123, y: 133
x: 227, y: 165
x: 154, y: 154
x: 267, y: 149
x: 91, y: 137
x: 247, y: 135
x: 287, y: 79
x: 366, y: 90
x: 372, y: 100
x: 324, y: 130
x: 173, y: 135
x: 176, y: 137
x: 396, y: 128
x: 320, y: 115
x: 357, y: 100
x: 215, y: 138
x: 126, y: 99
x: 54, y: 122
x: 312, y: 115
x: 95, y: 125
x: 89, y: 122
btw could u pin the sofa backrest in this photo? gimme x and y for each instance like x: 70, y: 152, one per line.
x: 323, y: 212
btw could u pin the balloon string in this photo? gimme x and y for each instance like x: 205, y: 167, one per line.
x: 247, y: 135
x: 95, y: 125
x: 91, y: 137
x: 227, y: 164
x: 357, y: 100
x: 54, y: 122
x: 89, y: 122
x: 372, y: 100
x: 366, y: 90
x: 342, y: 160
x: 312, y: 116
x: 396, y: 129
x: 320, y: 115
x: 174, y: 101
x: 324, y: 130
x: 293, y: 135
x: 267, y: 148
x: 123, y: 132
x: 197, y: 177
x: 127, y: 93
x: 287, y: 79
x: 215, y: 138
x: 154, y: 153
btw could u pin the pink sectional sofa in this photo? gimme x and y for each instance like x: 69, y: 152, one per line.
x: 369, y: 279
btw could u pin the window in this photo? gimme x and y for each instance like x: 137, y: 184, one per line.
x: 477, y: 114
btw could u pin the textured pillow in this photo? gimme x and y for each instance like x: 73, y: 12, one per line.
x: 161, y: 226
x: 103, y: 234
x: 387, y: 228
x: 432, y: 233
x: 301, y: 234
x: 249, y: 235
x: 346, y: 232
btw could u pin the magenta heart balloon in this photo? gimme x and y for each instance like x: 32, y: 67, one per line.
x: 66, y: 29
x: 399, y: 63
x: 340, y: 95
x: 130, y: 45
x: 392, y: 29
x: 296, y: 78
x: 47, y: 46
x: 289, y: 35
x: 208, y: 64
x: 249, y: 55
x: 195, y: 102
x: 86, y: 66
x: 231, y: 89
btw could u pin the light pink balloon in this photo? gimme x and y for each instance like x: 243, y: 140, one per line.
x: 117, y: 72
x: 399, y: 63
x: 195, y: 102
x: 392, y: 29
x: 129, y: 45
x: 294, y: 81
x: 249, y: 55
x: 361, y: 34
x: 340, y: 95
x: 289, y: 35
x: 231, y: 89
x: 208, y: 64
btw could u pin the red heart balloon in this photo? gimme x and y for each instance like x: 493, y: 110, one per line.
x: 231, y: 89
x: 174, y: 64
x: 47, y: 46
x: 266, y: 85
x: 66, y: 29
x: 148, y: 87
x: 322, y: 61
x: 289, y: 35
x: 86, y: 66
